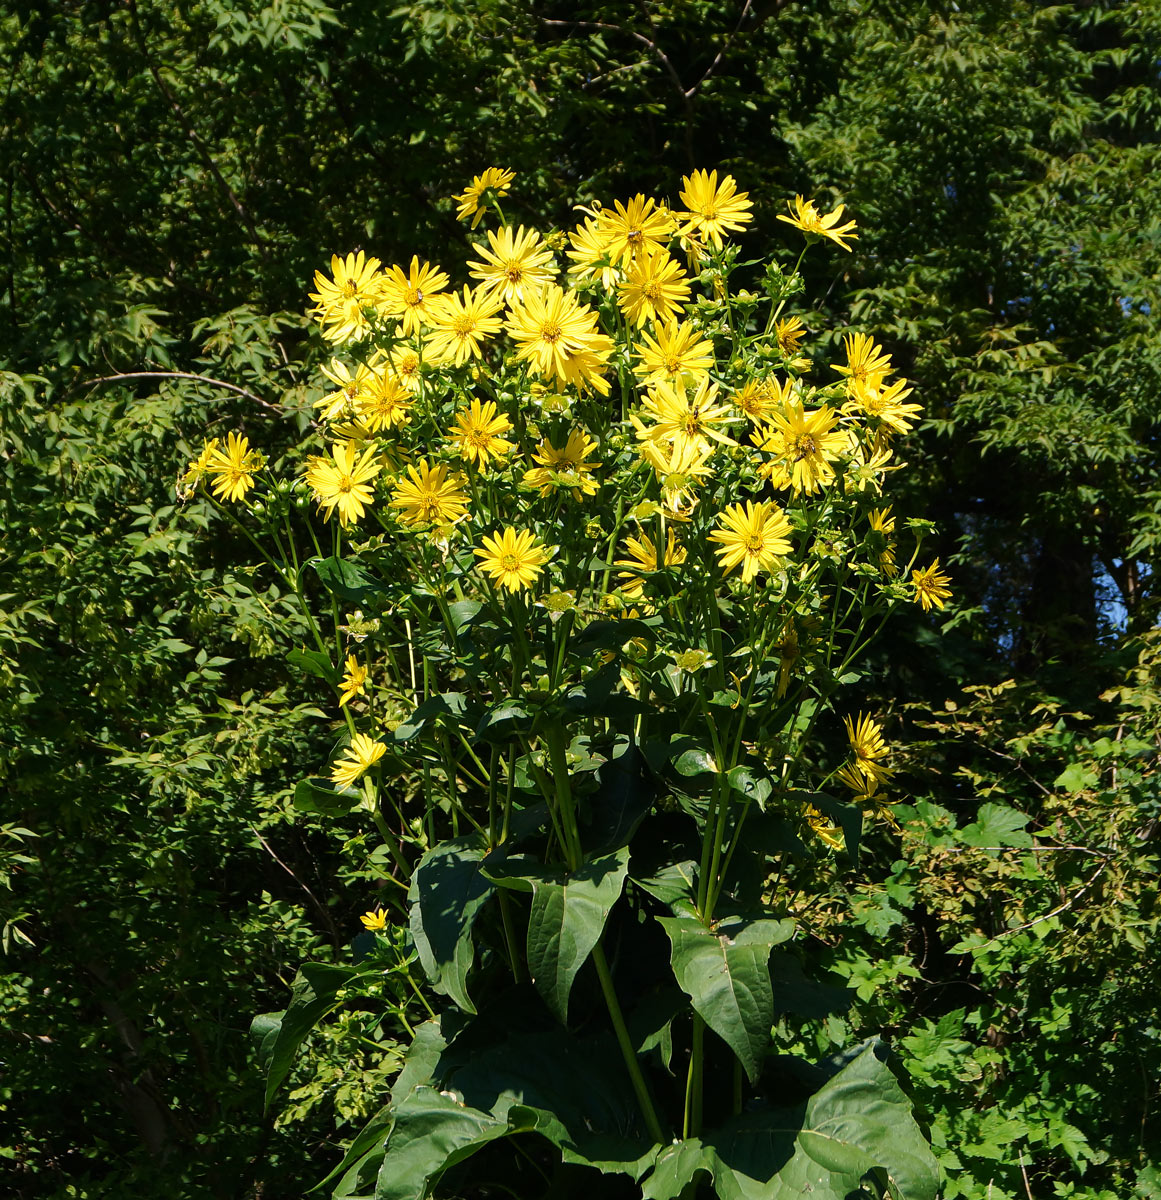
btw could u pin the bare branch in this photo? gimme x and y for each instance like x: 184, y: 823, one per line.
x: 221, y: 383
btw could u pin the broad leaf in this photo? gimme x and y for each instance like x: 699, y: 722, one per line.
x: 446, y: 707
x: 347, y: 580
x: 321, y: 797
x: 996, y: 825
x: 312, y: 662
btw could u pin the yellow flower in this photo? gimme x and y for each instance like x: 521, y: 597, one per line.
x: 516, y: 263
x: 871, y: 399
x: 789, y: 333
x: 633, y: 229
x: 679, y: 468
x: 342, y: 481
x: 864, y: 359
x: 386, y: 402
x: 232, y: 468
x: 197, y: 468
x: 682, y: 419
x: 806, y: 217
x: 428, y: 497
x: 471, y: 200
x: 461, y: 324
x: 558, y: 336
x: 477, y: 432
x: 866, y: 739
x: 882, y: 526
x: 409, y: 297
x: 804, y: 444
x: 654, y: 288
x: 566, y: 468
x: 752, y: 535
x: 713, y: 208
x: 590, y: 256
x: 351, y: 389
x: 513, y: 560
x: 677, y: 349
x: 339, y: 302
x: 359, y: 757
x: 405, y: 364
x: 825, y: 828
x: 374, y: 920
x: 931, y: 586
x: 354, y: 681
x: 643, y: 558
x: 759, y: 399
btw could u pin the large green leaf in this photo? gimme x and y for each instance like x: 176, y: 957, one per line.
x: 347, y: 580
x: 447, y: 892
x: 857, y: 1124
x: 565, y: 920
x: 725, y: 972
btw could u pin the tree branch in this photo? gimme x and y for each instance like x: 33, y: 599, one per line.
x: 221, y: 383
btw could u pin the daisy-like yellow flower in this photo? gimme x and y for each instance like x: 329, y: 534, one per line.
x: 590, y: 256
x: 643, y: 559
x: 406, y: 362
x: 713, y: 208
x: 558, y: 336
x: 863, y: 787
x: 232, y: 467
x: 198, y: 467
x: 826, y: 830
x: 789, y: 331
x: 514, y: 264
x: 630, y: 230
x: 471, y: 200
x: 803, y: 444
x: 385, y: 404
x: 680, y: 468
x: 676, y: 349
x: 343, y: 481
x: 460, y: 325
x: 356, y: 760
x: 410, y: 297
x: 513, y: 559
x: 752, y: 536
x: 868, y: 462
x: 866, y: 739
x: 685, y: 419
x: 569, y: 468
x: 760, y: 399
x: 427, y: 496
x: 882, y: 525
x: 478, y: 432
x: 884, y: 404
x: 864, y: 360
x: 374, y: 920
x: 804, y: 216
x: 350, y: 389
x: 354, y: 681
x: 340, y: 300
x: 654, y: 288
x: 931, y: 586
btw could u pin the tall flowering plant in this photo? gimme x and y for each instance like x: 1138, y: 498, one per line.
x: 602, y: 558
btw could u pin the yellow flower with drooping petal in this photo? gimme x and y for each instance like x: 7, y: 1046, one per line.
x: 343, y: 481
x: 568, y: 468
x: 752, y: 536
x: 429, y: 496
x: 340, y: 301
x: 760, y: 399
x: 478, y: 432
x: 232, y: 467
x: 350, y: 389
x: 354, y: 681
x: 643, y: 559
x: 803, y: 444
x: 713, y: 209
x: 411, y: 297
x: 374, y: 920
x: 496, y: 180
x: 680, y: 468
x: 789, y: 333
x: 882, y: 525
x: 826, y: 830
x: 673, y: 350
x: 864, y: 359
x: 558, y: 336
x: 386, y: 404
x: 513, y: 263
x: 805, y: 216
x: 198, y: 467
x: 684, y: 418
x: 459, y: 325
x: 356, y: 760
x: 637, y: 228
x: 654, y: 288
x: 871, y: 399
x: 866, y: 738
x: 513, y: 559
x: 931, y: 586
x: 590, y: 256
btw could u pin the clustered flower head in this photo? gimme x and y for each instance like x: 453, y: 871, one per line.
x: 596, y: 421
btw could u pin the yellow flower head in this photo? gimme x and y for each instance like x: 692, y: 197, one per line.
x: 410, y: 297
x: 684, y: 419
x: 680, y: 467
x: 343, y: 481
x: 354, y: 681
x: 789, y: 331
x: 568, y: 468
x: 427, y: 496
x: 882, y: 525
x: 673, y: 350
x: 804, y: 216
x: 713, y: 208
x: 385, y: 403
x: 477, y: 433
x: 340, y: 301
x: 827, y: 831
x: 374, y: 920
x: 864, y: 359
x: 643, y: 559
x: 471, y: 200
x: 405, y: 366
x: 232, y: 468
x: 654, y: 288
x: 590, y: 256
x: 460, y: 325
x: 350, y: 389
x: 869, y: 398
x: 513, y: 559
x: 634, y: 229
x: 931, y: 586
x: 558, y: 336
x: 358, y: 758
x: 516, y: 263
x: 866, y: 739
x: 197, y: 468
x: 760, y: 399
x: 752, y: 536
x: 803, y: 444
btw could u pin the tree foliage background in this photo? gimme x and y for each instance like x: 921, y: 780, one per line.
x: 173, y: 174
